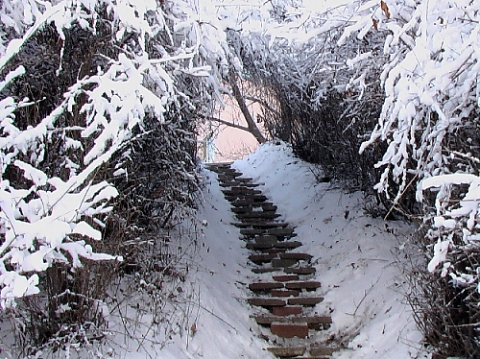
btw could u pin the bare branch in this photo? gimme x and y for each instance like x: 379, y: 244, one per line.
x: 263, y: 103
x: 225, y: 122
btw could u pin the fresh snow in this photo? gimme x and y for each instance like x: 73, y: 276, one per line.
x: 358, y: 261
x: 205, y: 315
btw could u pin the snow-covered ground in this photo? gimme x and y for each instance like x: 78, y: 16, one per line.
x: 357, y: 260
x: 205, y: 314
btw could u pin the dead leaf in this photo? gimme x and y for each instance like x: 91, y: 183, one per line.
x: 385, y: 9
x: 193, y: 329
x: 375, y: 24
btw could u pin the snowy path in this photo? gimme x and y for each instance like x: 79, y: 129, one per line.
x: 357, y: 259
x: 283, y: 293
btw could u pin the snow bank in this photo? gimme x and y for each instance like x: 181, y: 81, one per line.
x: 356, y: 257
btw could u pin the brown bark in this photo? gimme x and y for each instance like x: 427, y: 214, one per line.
x: 251, y: 124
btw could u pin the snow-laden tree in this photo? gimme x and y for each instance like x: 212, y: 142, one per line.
x: 429, y: 121
x: 98, y: 101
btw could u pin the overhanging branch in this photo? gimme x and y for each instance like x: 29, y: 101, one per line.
x: 225, y: 122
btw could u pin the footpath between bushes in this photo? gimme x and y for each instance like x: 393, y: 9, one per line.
x: 283, y: 295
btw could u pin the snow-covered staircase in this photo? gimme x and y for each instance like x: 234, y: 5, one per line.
x: 284, y: 293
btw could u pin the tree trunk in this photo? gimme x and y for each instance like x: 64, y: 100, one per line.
x: 252, y: 125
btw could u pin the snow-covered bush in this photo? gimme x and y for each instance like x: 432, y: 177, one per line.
x: 97, y: 122
x: 326, y: 95
x: 429, y: 122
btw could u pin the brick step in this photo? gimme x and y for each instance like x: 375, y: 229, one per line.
x: 241, y: 191
x: 249, y: 207
x: 300, y: 270
x: 298, y: 256
x: 287, y: 352
x: 266, y: 238
x: 265, y: 270
x: 319, y: 351
x: 283, y: 263
x: 241, y: 203
x: 274, y: 251
x: 257, y: 216
x: 269, y: 207
x: 285, y: 277
x: 267, y: 302
x: 228, y: 173
x: 289, y: 330
x: 308, y: 285
x: 286, y: 310
x: 262, y: 258
x: 276, y: 257
x: 236, y: 182
x: 315, y: 322
x: 297, y: 352
x: 249, y: 200
x: 261, y: 225
x: 305, y: 301
x: 252, y: 232
x: 228, y: 177
x: 279, y: 232
x: 284, y: 293
x: 274, y: 244
x: 265, y: 286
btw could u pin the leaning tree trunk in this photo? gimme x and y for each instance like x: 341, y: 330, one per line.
x: 252, y: 125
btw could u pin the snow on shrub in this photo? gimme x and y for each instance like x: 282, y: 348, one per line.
x: 50, y: 213
x: 429, y: 122
x: 430, y: 81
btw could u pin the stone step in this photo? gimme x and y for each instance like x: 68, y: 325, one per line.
x: 265, y: 286
x: 289, y: 330
x: 287, y: 352
x: 267, y: 302
x: 315, y: 322
x: 308, y: 285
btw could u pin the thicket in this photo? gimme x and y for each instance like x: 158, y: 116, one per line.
x: 385, y: 95
x: 98, y: 105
